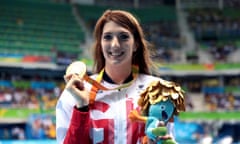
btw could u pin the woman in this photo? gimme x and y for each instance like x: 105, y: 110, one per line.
x: 86, y: 114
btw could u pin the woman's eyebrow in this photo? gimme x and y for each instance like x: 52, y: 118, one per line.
x: 124, y: 32
x: 107, y: 32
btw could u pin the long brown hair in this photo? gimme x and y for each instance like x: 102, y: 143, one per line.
x: 125, y: 19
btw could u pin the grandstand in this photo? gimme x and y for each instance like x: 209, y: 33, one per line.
x: 43, y: 29
x: 197, y: 44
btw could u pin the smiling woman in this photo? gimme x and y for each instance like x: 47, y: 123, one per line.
x: 117, y: 47
x: 122, y: 64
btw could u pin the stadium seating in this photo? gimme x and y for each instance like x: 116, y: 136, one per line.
x: 216, y: 30
x: 38, y: 28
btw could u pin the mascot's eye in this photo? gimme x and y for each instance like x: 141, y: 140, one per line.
x: 162, y: 107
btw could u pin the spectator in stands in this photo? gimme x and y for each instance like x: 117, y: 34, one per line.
x: 230, y: 101
x: 38, y: 129
x: 6, y: 134
x: 88, y: 114
x: 8, y: 97
x: 18, y: 133
x: 20, y: 22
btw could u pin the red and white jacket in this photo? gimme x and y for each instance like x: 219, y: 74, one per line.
x: 107, y: 120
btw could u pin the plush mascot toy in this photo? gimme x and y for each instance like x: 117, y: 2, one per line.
x: 159, y: 103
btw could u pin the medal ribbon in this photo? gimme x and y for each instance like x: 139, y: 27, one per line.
x: 96, y: 84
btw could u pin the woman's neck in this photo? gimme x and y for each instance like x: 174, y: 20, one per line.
x: 118, y: 73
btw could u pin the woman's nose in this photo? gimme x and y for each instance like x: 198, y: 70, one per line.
x: 115, y: 42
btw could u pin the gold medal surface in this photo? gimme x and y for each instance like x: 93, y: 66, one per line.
x: 78, y: 68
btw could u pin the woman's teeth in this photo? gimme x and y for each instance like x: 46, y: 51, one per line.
x: 116, y: 54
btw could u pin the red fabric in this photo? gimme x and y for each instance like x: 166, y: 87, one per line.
x: 79, y: 128
x: 80, y: 124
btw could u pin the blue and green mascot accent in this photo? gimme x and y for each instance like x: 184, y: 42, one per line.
x: 159, y: 103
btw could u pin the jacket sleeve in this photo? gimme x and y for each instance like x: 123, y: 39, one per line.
x: 70, y: 121
x: 78, y: 131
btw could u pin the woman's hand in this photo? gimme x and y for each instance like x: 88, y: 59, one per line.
x: 74, y: 84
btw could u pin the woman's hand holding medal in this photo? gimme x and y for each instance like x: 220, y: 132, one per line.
x: 74, y: 77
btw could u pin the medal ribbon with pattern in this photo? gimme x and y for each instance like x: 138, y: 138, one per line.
x: 80, y: 69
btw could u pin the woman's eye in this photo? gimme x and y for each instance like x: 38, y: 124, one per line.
x: 107, y: 37
x: 123, y: 36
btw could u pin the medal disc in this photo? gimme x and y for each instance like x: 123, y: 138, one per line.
x: 78, y: 68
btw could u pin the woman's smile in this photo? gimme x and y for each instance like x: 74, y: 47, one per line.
x: 116, y: 55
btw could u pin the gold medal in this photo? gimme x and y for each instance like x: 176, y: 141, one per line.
x: 78, y: 68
